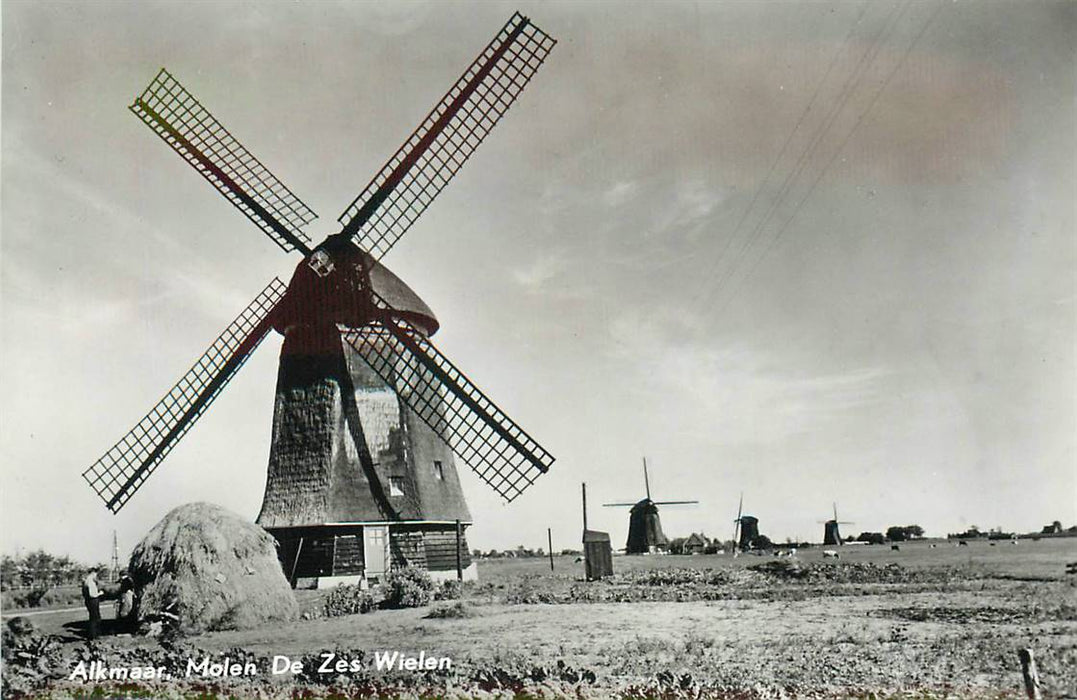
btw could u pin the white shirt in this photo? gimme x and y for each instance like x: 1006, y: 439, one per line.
x: 89, y: 584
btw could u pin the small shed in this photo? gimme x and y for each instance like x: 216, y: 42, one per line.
x: 597, y: 554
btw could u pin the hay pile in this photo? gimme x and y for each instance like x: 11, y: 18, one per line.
x: 211, y: 569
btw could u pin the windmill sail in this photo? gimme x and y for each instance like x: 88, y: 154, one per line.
x: 126, y: 466
x: 184, y: 124
x: 498, y: 450
x: 421, y: 168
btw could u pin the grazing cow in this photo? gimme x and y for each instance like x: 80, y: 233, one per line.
x: 962, y: 543
x: 895, y: 548
x: 830, y: 554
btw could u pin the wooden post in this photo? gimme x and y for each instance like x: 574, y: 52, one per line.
x: 295, y: 562
x: 549, y: 542
x: 459, y: 558
x: 1032, y: 677
x: 584, y: 485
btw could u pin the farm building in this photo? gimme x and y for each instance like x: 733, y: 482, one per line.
x: 696, y: 543
x: 598, y: 555
x: 1054, y: 528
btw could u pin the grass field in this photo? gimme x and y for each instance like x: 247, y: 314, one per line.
x: 920, y: 622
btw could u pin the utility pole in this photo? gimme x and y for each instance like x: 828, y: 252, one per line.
x: 584, y: 484
x: 115, y: 557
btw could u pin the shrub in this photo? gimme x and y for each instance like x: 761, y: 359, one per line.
x: 408, y: 588
x: 348, y: 600
x: 452, y: 611
x: 448, y: 590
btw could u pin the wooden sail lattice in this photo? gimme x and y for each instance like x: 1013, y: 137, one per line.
x: 451, y: 132
x: 189, y: 129
x: 124, y: 467
x: 492, y: 444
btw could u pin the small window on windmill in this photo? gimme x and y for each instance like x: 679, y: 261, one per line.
x: 396, y: 486
x: 439, y: 472
x: 320, y: 263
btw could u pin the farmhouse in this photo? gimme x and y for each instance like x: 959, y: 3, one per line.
x: 696, y: 543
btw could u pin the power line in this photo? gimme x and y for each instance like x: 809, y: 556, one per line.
x: 837, y: 152
x: 785, y: 146
x: 844, y: 95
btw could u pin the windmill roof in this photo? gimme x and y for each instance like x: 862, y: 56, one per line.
x: 401, y: 297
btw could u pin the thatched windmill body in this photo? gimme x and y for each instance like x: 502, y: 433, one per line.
x: 831, y: 534
x: 745, y: 529
x: 368, y: 413
x: 645, y: 534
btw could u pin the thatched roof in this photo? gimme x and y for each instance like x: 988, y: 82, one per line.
x: 212, y: 569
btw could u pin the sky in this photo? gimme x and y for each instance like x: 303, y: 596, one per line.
x: 811, y: 253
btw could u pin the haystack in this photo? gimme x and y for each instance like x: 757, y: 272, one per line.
x: 212, y: 569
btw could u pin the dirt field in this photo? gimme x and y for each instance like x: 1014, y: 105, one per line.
x: 920, y: 622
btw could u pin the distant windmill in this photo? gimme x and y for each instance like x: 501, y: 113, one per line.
x: 831, y: 535
x: 369, y: 413
x: 746, y: 526
x: 645, y: 534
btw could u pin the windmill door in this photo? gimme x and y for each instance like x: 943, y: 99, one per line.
x: 375, y: 550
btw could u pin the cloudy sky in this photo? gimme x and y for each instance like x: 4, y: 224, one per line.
x: 811, y: 252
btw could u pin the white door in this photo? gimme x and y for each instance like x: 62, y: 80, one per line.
x: 375, y: 550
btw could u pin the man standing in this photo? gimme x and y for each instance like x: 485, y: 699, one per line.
x: 91, y: 593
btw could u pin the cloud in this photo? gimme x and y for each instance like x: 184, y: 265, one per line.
x: 618, y: 193
x: 742, y: 394
x: 540, y: 271
x: 690, y: 208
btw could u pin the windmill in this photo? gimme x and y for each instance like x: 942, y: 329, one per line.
x: 368, y: 413
x: 831, y: 535
x: 745, y: 529
x: 645, y: 534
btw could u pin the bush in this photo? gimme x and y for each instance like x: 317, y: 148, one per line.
x: 448, y: 590
x: 452, y: 611
x: 348, y: 600
x: 408, y: 588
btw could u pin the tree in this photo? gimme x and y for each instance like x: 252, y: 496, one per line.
x: 8, y: 572
x: 761, y: 542
x: 895, y: 533
x: 913, y: 531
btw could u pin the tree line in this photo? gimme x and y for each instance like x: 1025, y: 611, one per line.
x: 40, y: 569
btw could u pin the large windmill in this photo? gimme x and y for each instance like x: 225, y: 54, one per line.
x: 645, y: 534
x: 368, y: 412
x: 831, y: 535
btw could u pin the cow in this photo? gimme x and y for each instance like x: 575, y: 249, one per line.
x: 895, y: 548
x: 830, y: 554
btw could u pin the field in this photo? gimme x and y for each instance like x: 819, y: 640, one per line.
x: 924, y: 621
